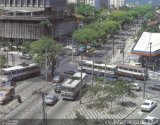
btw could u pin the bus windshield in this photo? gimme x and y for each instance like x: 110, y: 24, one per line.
x: 67, y: 89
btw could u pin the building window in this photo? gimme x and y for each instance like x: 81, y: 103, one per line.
x: 34, y: 2
x: 18, y: 2
x: 28, y: 2
x: 1, y: 1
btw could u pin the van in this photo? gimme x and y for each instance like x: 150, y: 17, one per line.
x: 7, y: 93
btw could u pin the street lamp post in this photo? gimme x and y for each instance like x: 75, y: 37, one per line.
x: 80, y: 101
x: 150, y: 54
x: 43, y: 94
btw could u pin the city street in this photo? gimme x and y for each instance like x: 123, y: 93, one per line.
x: 31, y: 106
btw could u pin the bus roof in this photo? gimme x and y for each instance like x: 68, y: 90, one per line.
x: 72, y: 83
x: 90, y: 62
x: 17, y: 67
x: 131, y: 66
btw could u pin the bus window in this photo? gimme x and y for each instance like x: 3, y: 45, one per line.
x: 130, y: 69
x: 135, y: 70
x: 120, y: 67
x: 139, y: 71
x: 125, y: 68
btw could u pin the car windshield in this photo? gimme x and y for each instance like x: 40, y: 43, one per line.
x: 145, y: 103
x: 49, y: 97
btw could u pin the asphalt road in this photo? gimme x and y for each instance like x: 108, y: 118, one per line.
x: 140, y: 115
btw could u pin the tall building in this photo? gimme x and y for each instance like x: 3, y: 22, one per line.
x: 31, y: 19
x: 116, y: 3
x: 97, y: 3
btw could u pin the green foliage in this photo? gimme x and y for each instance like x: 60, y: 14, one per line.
x: 99, y: 30
x: 3, y: 60
x: 46, y: 44
x: 26, y: 47
x: 85, y: 35
x: 109, y: 93
x: 45, y: 23
x: 89, y: 12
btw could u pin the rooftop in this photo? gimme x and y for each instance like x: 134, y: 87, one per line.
x: 148, y: 42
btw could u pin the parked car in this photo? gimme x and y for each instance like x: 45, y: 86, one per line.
x: 58, y: 87
x: 148, y: 105
x: 70, y: 72
x: 135, y: 86
x: 111, y: 79
x: 58, y: 78
x: 155, y: 87
x: 149, y: 120
x: 51, y: 99
x: 25, y: 56
x: 125, y: 79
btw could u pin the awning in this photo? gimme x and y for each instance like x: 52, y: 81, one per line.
x: 149, y: 43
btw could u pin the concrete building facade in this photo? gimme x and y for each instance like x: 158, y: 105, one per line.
x: 32, y: 19
x: 116, y: 3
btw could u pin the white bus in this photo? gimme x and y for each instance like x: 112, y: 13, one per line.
x: 20, y: 72
x: 132, y: 71
x: 72, y: 87
x: 99, y: 68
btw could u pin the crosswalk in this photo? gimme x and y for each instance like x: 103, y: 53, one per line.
x: 118, y: 111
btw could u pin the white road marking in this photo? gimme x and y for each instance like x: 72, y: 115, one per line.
x: 54, y: 106
x: 140, y: 113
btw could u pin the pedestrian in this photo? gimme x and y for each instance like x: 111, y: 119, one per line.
x: 19, y: 98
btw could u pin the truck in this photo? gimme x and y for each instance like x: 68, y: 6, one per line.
x: 7, y: 93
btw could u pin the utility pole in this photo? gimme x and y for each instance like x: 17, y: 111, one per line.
x: 46, y: 68
x: 80, y: 101
x: 43, y: 109
x: 150, y: 54
x: 44, y: 116
x: 144, y: 84
x: 72, y: 50
x: 105, y: 74
x: 113, y: 51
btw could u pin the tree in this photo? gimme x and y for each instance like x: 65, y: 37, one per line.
x: 46, y: 25
x: 46, y: 48
x: 85, y: 36
x: 3, y: 60
x: 102, y: 94
x: 89, y: 12
x: 26, y: 47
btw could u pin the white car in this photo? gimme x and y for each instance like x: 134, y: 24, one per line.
x: 149, y: 120
x: 135, y: 86
x: 148, y: 105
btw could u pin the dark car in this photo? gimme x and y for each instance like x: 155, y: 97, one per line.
x: 70, y: 72
x: 58, y: 87
x: 155, y: 87
x: 125, y: 79
x: 111, y: 79
x: 58, y: 78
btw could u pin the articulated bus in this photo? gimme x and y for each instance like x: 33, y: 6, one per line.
x: 72, y: 87
x: 20, y: 72
x: 98, y: 68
